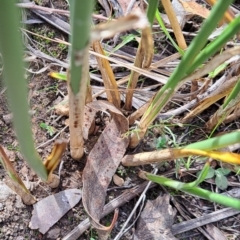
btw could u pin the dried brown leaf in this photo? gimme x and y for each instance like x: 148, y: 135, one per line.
x: 101, y: 165
x: 156, y: 220
x: 195, y: 8
x: 50, y: 209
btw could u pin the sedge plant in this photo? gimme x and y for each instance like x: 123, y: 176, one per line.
x: 189, y: 62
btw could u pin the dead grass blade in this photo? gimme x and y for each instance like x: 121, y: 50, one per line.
x: 223, y: 113
x: 203, y: 220
x: 143, y: 60
x: 235, y: 115
x: 108, y: 77
x: 221, y: 92
x: 174, y: 23
x: 14, y: 181
x: 228, y: 15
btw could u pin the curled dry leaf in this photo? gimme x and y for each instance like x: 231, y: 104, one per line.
x: 101, y: 165
x: 53, y: 160
x: 118, y: 180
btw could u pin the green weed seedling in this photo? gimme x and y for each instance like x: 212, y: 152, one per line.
x: 219, y: 174
x: 50, y: 130
x: 161, y: 142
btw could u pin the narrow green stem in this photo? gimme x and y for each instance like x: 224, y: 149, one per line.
x: 213, y: 47
x: 216, y: 142
x: 161, y: 24
x: 81, y: 26
x: 151, y: 10
x: 196, y: 191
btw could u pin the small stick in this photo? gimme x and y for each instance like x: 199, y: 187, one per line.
x: 117, y: 202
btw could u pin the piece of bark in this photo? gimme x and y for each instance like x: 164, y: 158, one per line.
x: 215, y: 233
x: 156, y: 220
x: 203, y: 220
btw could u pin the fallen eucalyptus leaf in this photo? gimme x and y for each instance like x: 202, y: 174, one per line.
x: 50, y: 209
x: 102, y: 163
x: 156, y: 220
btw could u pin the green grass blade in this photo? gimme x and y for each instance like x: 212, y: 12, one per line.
x: 151, y: 10
x: 216, y: 142
x: 196, y: 191
x: 161, y: 24
x: 12, y: 53
x: 213, y: 47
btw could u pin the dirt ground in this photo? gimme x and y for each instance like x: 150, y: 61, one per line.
x: 44, y: 93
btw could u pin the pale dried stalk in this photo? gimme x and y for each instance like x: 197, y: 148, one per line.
x: 221, y: 92
x: 222, y: 113
x: 143, y: 60
x: 174, y: 23
x: 76, y: 110
x: 109, y: 80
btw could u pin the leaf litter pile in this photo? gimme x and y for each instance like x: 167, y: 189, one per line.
x: 101, y: 196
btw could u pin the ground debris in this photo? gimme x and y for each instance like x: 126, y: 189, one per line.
x: 156, y: 220
x: 49, y: 210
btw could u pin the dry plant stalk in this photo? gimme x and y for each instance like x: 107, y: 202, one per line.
x: 76, y: 109
x: 235, y: 115
x: 175, y: 153
x: 108, y: 77
x: 223, y: 112
x: 221, y: 92
x: 228, y: 15
x: 174, y: 23
x: 143, y: 60
x: 14, y: 181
